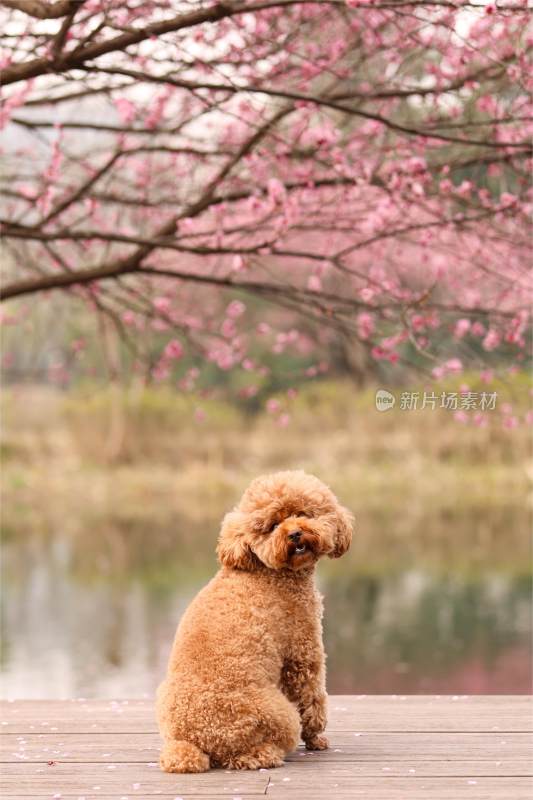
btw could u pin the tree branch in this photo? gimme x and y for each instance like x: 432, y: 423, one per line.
x: 78, y: 57
x: 318, y: 100
x: 41, y: 10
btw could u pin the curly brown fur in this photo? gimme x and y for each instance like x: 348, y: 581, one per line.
x: 246, y: 675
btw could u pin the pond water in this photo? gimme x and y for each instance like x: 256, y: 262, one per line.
x: 79, y: 623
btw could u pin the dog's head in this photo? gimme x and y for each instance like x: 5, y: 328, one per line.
x: 285, y: 521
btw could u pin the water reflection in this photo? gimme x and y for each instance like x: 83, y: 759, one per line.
x: 74, y: 629
x: 413, y: 632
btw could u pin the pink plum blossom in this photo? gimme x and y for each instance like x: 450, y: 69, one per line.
x: 314, y: 283
x: 162, y: 304
x: 235, y: 309
x: 365, y: 325
x: 173, y: 349
x: 272, y: 405
x: 462, y: 326
x: 491, y: 340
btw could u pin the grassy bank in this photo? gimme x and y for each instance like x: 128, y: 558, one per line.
x: 135, y: 477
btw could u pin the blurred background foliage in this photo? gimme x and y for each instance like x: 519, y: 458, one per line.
x: 113, y: 485
x: 60, y: 342
x: 113, y: 498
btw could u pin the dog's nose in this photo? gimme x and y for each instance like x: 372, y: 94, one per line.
x: 295, y: 535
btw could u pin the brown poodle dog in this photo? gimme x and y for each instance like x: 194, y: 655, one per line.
x: 246, y: 674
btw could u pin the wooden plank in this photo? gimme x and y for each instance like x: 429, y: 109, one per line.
x: 357, y: 713
x: 344, y: 746
x: 340, y: 789
x: 132, y: 796
x: 483, y: 791
x: 391, y: 766
x: 408, y: 789
x: 312, y: 769
x: 410, y: 768
x: 431, y: 713
x: 486, y: 791
x: 31, y: 779
x: 386, y: 748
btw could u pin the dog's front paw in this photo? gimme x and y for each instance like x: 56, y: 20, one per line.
x: 317, y: 742
x: 313, y: 723
x: 314, y: 718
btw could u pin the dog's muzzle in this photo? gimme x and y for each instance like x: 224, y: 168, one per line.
x: 296, y: 539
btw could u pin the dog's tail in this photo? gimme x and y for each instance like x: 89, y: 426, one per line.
x: 181, y: 756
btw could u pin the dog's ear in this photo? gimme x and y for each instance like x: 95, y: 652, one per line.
x: 343, y: 535
x: 232, y: 548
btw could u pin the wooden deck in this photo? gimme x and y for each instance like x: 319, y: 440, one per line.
x: 382, y: 748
